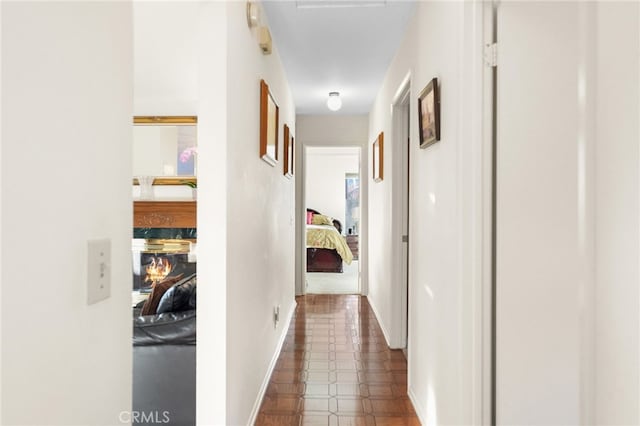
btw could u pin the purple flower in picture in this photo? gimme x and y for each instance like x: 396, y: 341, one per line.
x: 187, y: 153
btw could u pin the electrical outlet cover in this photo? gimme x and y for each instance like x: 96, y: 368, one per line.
x: 99, y: 270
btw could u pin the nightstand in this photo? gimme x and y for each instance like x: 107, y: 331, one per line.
x: 352, y: 242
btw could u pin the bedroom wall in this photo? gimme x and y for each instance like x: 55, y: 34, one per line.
x: 66, y: 156
x: 445, y: 179
x: 260, y: 220
x: 328, y: 131
x: 325, y: 179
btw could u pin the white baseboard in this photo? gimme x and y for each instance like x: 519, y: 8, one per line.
x: 272, y: 365
x: 417, y: 407
x: 382, y: 327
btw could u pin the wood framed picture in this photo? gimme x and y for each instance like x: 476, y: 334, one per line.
x: 288, y: 152
x: 269, y: 112
x: 378, y: 158
x: 429, y: 114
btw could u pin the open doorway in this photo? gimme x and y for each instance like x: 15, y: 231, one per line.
x: 332, y: 203
x: 165, y: 208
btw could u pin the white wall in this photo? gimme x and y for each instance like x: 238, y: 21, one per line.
x: 617, y: 213
x: 329, y: 131
x: 167, y: 43
x: 568, y: 214
x: 445, y: 278
x: 325, y: 174
x: 66, y: 160
x: 211, y: 386
x: 260, y: 220
x: 332, y: 130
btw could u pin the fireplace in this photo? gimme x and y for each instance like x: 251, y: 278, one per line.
x: 156, y: 260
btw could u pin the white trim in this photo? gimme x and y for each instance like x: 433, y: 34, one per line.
x: 469, y: 258
x: 482, y: 374
x: 585, y: 208
x: 417, y: 407
x: 638, y: 236
x: 400, y: 116
x: 404, y: 90
x: 272, y: 365
x: 301, y: 203
x: 385, y: 333
x: 362, y: 232
x: 124, y: 379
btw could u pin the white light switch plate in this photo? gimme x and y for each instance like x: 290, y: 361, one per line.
x: 99, y: 270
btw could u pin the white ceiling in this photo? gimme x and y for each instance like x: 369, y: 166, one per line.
x: 341, y: 46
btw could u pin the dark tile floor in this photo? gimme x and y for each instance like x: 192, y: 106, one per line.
x: 335, y: 369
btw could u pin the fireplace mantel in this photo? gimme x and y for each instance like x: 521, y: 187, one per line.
x: 164, y: 214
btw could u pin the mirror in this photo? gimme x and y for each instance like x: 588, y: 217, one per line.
x: 165, y: 147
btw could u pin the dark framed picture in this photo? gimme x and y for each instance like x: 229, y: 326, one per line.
x: 378, y: 158
x: 268, y: 125
x: 429, y: 114
x: 288, y: 152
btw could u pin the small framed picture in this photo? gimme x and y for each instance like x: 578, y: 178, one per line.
x: 268, y: 125
x: 288, y: 152
x: 378, y: 158
x: 429, y: 114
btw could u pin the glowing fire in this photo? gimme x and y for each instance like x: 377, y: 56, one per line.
x: 158, y: 270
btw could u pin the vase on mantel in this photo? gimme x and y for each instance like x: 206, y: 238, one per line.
x: 146, y: 187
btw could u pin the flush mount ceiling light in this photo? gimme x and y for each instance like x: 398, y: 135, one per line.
x: 334, y: 102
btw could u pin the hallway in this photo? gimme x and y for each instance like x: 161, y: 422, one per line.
x: 335, y: 369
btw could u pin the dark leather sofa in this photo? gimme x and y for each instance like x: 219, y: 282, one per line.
x: 164, y: 360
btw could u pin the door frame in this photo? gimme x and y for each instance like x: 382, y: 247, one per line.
x: 301, y: 206
x: 487, y: 409
x: 401, y: 137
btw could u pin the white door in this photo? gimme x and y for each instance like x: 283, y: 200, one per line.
x: 541, y: 73
x: 567, y: 213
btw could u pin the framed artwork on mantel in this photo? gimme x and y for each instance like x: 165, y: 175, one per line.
x: 269, y: 112
x: 378, y: 158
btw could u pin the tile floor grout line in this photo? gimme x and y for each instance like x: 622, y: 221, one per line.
x: 335, y: 369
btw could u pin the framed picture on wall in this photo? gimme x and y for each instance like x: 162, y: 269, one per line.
x: 288, y: 152
x: 429, y: 114
x: 292, y: 154
x: 378, y: 158
x: 268, y: 125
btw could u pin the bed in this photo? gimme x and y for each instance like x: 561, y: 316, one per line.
x: 326, y: 247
